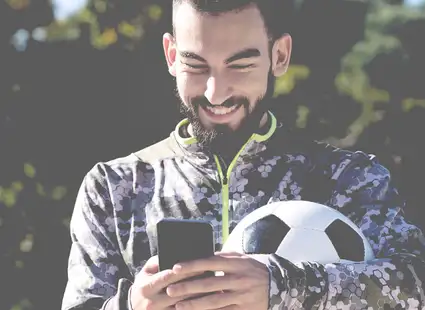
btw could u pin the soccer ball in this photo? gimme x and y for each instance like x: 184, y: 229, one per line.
x: 300, y: 231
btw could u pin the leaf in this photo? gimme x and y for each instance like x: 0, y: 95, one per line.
x: 154, y: 12
x: 108, y: 37
x: 7, y: 197
x: 17, y: 187
x: 410, y: 103
x: 286, y: 83
x: 19, y: 264
x: 127, y: 29
x: 27, y: 243
x: 18, y: 4
x: 29, y: 170
x: 40, y: 189
x: 24, y: 304
x: 303, y: 113
x: 58, y: 193
x: 100, y: 6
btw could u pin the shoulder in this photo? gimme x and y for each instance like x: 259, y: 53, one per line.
x: 161, y: 150
x: 108, y: 173
x: 131, y: 166
x: 110, y: 186
x: 344, y: 164
x: 336, y: 162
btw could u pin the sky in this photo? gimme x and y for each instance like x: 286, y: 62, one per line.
x: 414, y: 2
x: 63, y: 9
x: 66, y: 8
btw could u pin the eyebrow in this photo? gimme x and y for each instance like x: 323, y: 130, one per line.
x: 246, y: 53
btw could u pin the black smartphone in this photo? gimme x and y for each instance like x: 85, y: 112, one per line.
x: 183, y: 240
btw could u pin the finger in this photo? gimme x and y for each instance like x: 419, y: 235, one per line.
x: 156, y: 283
x: 215, y: 263
x: 210, y: 302
x: 163, y: 301
x: 229, y: 254
x: 160, y: 301
x: 207, y: 285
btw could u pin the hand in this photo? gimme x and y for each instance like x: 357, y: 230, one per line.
x: 244, y: 285
x: 148, y: 290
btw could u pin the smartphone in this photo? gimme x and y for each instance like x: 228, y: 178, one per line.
x: 183, y: 240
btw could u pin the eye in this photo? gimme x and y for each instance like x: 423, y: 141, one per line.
x: 195, y: 66
x: 241, y: 67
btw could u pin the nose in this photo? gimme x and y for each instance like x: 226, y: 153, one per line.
x: 218, y: 90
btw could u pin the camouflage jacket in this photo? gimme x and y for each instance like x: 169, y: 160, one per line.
x: 120, y: 201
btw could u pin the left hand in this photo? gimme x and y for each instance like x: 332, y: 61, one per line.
x: 244, y: 285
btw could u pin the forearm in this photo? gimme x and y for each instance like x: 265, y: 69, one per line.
x: 395, y: 281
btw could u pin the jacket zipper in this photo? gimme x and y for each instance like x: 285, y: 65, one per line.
x: 224, y: 178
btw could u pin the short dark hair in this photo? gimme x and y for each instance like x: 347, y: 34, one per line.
x: 274, y: 12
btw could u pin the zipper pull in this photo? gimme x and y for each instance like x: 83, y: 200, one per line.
x: 224, y: 180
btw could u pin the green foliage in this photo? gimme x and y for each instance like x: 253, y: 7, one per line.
x: 286, y: 83
x: 128, y: 28
x: 382, y: 24
x: 360, y: 101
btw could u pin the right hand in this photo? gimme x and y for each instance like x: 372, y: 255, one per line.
x: 149, y: 289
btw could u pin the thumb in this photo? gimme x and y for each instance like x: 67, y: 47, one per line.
x: 151, y: 266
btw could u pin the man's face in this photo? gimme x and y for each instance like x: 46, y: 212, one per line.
x: 224, y: 71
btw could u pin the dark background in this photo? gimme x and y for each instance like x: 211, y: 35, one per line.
x: 95, y: 87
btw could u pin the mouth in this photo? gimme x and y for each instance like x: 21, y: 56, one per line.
x: 221, y: 111
x: 221, y: 115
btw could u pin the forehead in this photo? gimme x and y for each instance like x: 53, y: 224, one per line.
x: 219, y: 34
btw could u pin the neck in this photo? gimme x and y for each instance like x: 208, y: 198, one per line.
x: 264, y: 120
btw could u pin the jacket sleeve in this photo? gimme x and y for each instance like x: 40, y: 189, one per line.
x: 96, y: 269
x: 394, y: 280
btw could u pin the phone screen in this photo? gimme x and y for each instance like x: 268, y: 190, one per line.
x: 183, y: 240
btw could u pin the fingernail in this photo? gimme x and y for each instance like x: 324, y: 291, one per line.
x: 177, y: 268
x: 170, y: 291
x: 180, y: 306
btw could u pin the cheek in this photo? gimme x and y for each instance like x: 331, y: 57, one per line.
x: 190, y: 85
x: 253, y: 83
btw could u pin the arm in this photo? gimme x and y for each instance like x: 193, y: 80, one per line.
x: 97, y: 274
x: 394, y: 280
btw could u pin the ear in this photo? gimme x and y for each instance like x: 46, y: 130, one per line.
x: 169, y: 45
x: 281, y: 55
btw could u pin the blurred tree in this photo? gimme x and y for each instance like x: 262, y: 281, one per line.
x: 79, y: 90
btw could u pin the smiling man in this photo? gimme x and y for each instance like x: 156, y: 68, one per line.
x: 225, y: 65
x: 229, y: 157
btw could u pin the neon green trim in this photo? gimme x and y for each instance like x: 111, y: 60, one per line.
x: 225, y: 201
x: 257, y: 137
x: 185, y: 141
x: 261, y: 138
x: 225, y: 190
x: 225, y: 185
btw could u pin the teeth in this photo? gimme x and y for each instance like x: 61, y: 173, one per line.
x: 221, y: 110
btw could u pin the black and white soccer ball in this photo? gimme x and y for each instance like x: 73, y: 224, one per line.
x: 300, y: 231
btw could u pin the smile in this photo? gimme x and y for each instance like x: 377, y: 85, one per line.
x: 221, y: 110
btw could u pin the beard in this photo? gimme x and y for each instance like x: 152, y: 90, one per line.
x: 221, y: 139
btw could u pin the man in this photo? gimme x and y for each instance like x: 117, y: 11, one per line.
x: 229, y: 157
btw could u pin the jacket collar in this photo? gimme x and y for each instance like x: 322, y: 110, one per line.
x: 255, y: 144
